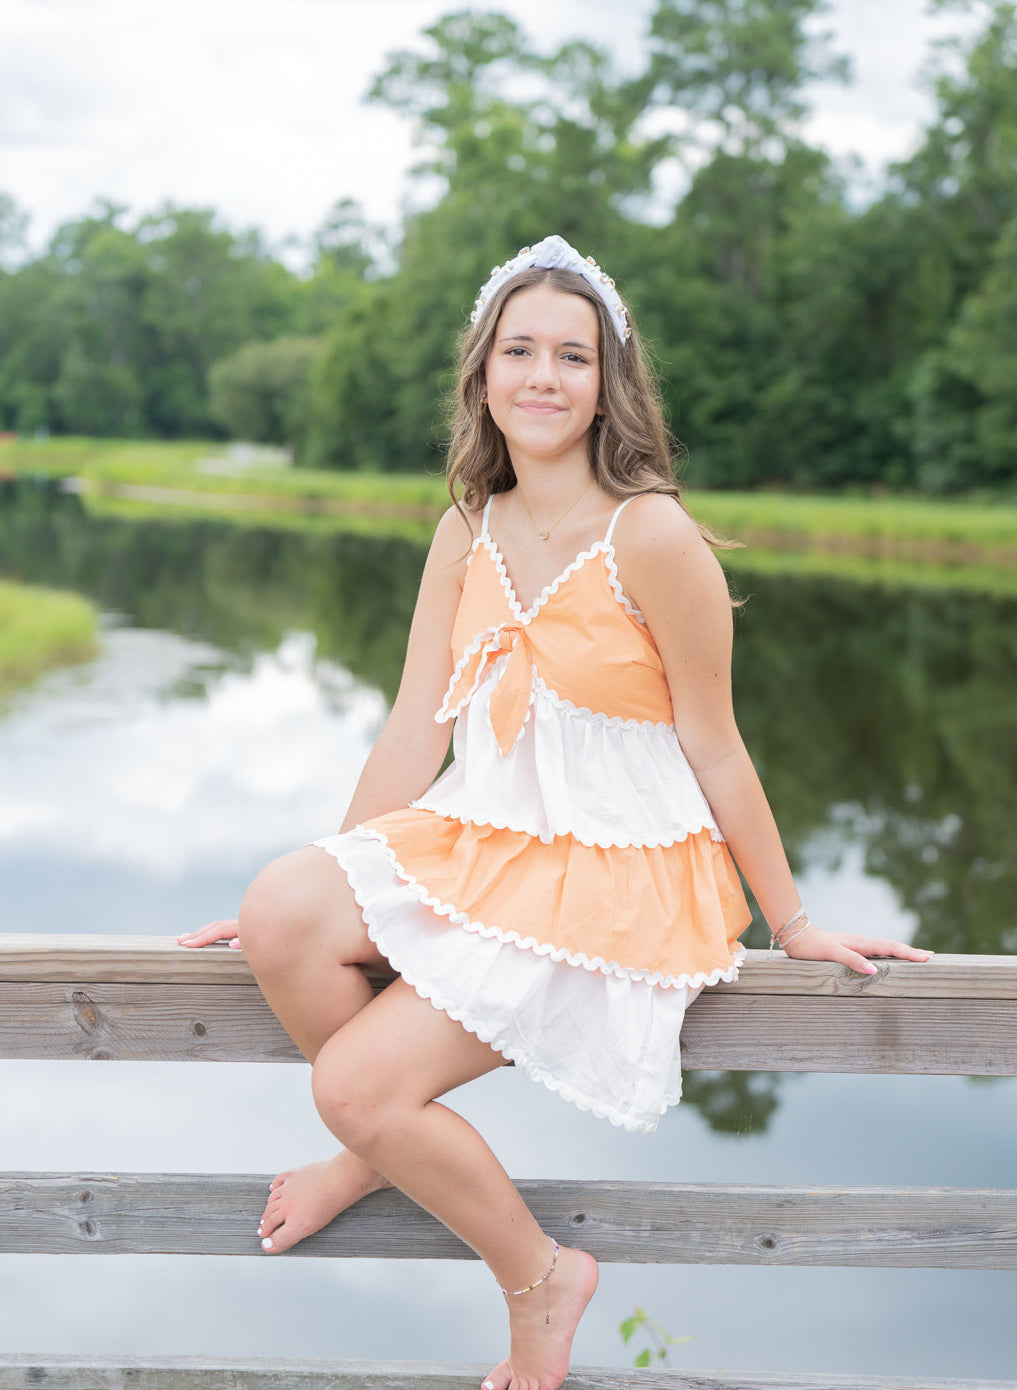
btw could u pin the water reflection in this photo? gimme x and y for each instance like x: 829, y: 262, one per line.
x: 881, y: 720
x: 882, y: 723
x: 141, y: 792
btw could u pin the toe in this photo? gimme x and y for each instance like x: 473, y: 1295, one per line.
x: 499, y: 1378
x: 270, y: 1223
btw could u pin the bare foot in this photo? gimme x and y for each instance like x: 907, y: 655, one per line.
x: 304, y: 1200
x: 539, y: 1358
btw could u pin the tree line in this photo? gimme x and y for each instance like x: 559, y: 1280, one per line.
x: 803, y: 341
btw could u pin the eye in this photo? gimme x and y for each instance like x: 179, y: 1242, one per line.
x: 577, y: 357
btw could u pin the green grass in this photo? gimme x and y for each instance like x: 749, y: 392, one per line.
x: 892, y: 539
x: 76, y: 456
x: 40, y: 629
x: 827, y: 519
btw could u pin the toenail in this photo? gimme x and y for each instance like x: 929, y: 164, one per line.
x: 266, y: 1244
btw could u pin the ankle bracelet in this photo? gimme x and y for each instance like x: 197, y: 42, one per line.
x: 514, y: 1293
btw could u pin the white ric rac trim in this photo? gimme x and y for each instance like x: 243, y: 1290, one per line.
x: 558, y: 954
x: 606, y: 781
x: 607, y: 1044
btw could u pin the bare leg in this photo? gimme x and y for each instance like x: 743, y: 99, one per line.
x: 305, y: 940
x: 375, y: 1083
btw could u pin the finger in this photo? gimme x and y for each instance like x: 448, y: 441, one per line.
x: 854, y: 960
x: 222, y: 930
x: 898, y: 950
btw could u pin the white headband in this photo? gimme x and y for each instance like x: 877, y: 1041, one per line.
x: 553, y: 253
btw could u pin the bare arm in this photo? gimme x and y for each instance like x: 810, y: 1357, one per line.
x: 671, y: 573
x: 411, y: 747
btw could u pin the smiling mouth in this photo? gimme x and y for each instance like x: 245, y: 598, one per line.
x: 539, y: 408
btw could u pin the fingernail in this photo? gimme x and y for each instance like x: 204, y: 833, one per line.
x: 266, y: 1244
x: 871, y: 969
x: 234, y: 945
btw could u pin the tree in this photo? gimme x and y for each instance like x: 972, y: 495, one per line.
x: 261, y: 391
x: 963, y: 390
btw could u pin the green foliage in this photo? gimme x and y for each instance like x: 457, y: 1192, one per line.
x: 114, y: 329
x: 261, y: 391
x: 964, y: 390
x: 804, y: 342
x: 660, y: 1340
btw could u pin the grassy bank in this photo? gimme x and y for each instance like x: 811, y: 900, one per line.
x: 957, y: 540
x: 41, y: 629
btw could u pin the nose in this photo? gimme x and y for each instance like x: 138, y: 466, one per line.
x: 543, y: 374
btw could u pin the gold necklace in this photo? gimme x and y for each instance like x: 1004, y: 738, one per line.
x: 543, y: 535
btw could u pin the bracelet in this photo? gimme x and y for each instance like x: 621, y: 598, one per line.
x: 777, y: 937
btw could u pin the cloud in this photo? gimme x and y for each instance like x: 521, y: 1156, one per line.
x: 270, y: 757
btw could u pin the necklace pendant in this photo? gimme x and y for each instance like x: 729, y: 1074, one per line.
x: 543, y: 535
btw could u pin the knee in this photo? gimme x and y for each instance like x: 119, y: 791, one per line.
x: 349, y: 1104
x: 274, y: 914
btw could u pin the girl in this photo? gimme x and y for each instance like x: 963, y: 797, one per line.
x: 565, y: 889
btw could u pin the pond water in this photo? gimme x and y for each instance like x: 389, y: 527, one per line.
x: 242, y: 677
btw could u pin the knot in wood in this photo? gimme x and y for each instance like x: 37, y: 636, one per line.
x: 578, y: 1218
x: 766, y: 1243
x: 87, y: 1229
x: 199, y: 1030
x: 86, y: 1015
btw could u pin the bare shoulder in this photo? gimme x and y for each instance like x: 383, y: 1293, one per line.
x: 453, y: 538
x: 661, y: 549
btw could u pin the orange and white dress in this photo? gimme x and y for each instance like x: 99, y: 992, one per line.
x: 562, y: 889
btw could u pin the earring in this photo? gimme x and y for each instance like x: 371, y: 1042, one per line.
x: 483, y: 401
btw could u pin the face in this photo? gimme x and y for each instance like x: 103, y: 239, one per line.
x: 542, y: 375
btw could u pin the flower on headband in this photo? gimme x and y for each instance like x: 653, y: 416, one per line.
x: 554, y: 253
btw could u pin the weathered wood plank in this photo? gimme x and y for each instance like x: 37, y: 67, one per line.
x: 644, y: 1223
x: 935, y: 1037
x: 158, y: 959
x: 206, y: 1373
x: 232, y: 1023
x: 133, y: 1022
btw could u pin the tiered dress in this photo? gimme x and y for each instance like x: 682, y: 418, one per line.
x: 562, y: 890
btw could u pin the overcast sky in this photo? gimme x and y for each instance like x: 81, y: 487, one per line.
x: 254, y: 106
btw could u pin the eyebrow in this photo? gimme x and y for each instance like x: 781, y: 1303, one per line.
x: 528, y: 338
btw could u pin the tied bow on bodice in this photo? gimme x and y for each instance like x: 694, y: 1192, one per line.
x: 510, y: 698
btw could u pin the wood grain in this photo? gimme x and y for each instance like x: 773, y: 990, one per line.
x: 206, y: 1373
x: 619, y: 1222
x: 158, y: 959
x: 232, y: 1023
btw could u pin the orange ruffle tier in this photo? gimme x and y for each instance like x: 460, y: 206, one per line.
x: 668, y: 914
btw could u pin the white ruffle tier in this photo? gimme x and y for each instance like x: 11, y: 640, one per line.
x: 603, y: 780
x: 607, y: 1043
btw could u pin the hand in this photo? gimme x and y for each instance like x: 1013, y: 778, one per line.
x: 223, y: 930
x: 816, y: 944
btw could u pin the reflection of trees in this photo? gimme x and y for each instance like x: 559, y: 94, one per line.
x: 886, y: 717
x: 898, y: 705
x: 241, y: 588
x: 733, y: 1102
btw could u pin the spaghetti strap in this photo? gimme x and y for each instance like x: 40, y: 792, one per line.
x: 487, y: 517
x: 617, y: 513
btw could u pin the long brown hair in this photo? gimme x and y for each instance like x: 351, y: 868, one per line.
x: 631, y: 449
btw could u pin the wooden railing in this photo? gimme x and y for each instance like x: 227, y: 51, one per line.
x: 131, y: 998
